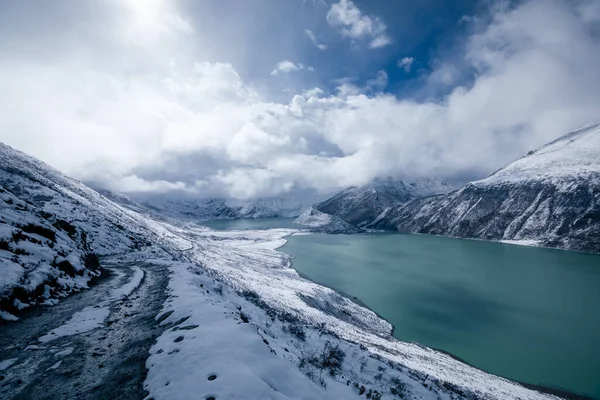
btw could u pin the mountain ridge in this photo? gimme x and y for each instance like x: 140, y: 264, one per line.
x: 550, y: 197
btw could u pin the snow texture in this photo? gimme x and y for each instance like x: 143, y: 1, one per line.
x: 361, y: 205
x: 5, y: 364
x: 321, y: 222
x: 93, y: 317
x: 550, y: 197
x: 239, y: 321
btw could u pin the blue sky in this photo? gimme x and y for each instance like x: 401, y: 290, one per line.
x: 284, y: 30
x: 263, y: 98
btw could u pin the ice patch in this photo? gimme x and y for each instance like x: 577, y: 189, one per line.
x: 82, y: 321
x: 5, y: 364
x: 7, y: 316
x: 34, y: 347
x: 54, y: 366
x: 125, y: 290
x: 65, y: 352
x: 93, y: 317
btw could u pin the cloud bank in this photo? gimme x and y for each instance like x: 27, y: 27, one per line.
x: 133, y: 112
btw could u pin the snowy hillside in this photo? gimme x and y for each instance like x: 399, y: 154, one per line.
x: 52, y: 230
x: 550, y: 197
x: 568, y: 158
x: 361, y: 205
x: 321, y: 222
x: 218, y: 315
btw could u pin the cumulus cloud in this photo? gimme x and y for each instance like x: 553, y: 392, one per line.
x: 406, y: 64
x: 285, y: 67
x: 159, y: 122
x: 355, y: 25
x: 314, y: 40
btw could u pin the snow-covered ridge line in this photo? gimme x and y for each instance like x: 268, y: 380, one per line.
x: 550, y: 196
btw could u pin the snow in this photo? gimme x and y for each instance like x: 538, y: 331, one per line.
x: 93, y: 317
x: 218, y: 208
x: 320, y: 221
x: 65, y: 352
x: 125, y: 290
x: 313, y: 218
x: 7, y: 316
x: 234, y: 303
x: 6, y: 364
x: 572, y: 155
x: 11, y: 273
x: 206, y: 334
x: 524, y: 242
x: 89, y: 318
x: 55, y: 366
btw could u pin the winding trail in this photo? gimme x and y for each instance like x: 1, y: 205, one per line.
x: 92, y: 345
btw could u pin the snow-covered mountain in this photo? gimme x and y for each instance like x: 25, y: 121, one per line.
x: 550, y: 197
x: 361, y: 205
x: 327, y: 223
x: 206, y: 209
x: 233, y: 309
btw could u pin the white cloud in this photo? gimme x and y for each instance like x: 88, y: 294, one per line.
x: 148, y: 21
x: 378, y: 83
x: 314, y: 40
x: 199, y: 127
x: 406, y: 63
x: 285, y: 67
x: 357, y: 26
x: 314, y: 92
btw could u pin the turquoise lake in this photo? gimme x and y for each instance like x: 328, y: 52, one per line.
x: 528, y: 314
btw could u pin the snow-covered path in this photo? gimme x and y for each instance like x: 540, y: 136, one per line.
x: 92, y: 345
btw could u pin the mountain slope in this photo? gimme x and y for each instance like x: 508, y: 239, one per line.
x: 551, y: 196
x: 206, y: 209
x: 52, y: 229
x: 361, y: 205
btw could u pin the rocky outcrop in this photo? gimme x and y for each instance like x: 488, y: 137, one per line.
x: 317, y: 221
x: 361, y: 205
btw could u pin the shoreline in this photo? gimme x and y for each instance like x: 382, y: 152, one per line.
x: 556, y: 391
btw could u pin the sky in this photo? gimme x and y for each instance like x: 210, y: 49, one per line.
x: 251, y: 99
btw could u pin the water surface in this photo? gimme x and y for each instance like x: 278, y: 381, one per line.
x: 249, y: 224
x: 525, y: 313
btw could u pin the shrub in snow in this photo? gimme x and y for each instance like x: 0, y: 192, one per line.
x: 91, y: 261
x: 245, y: 319
x: 398, y: 388
x: 296, y: 330
x: 330, y: 359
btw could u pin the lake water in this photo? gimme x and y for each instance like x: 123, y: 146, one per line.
x: 525, y: 313
x: 246, y: 224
